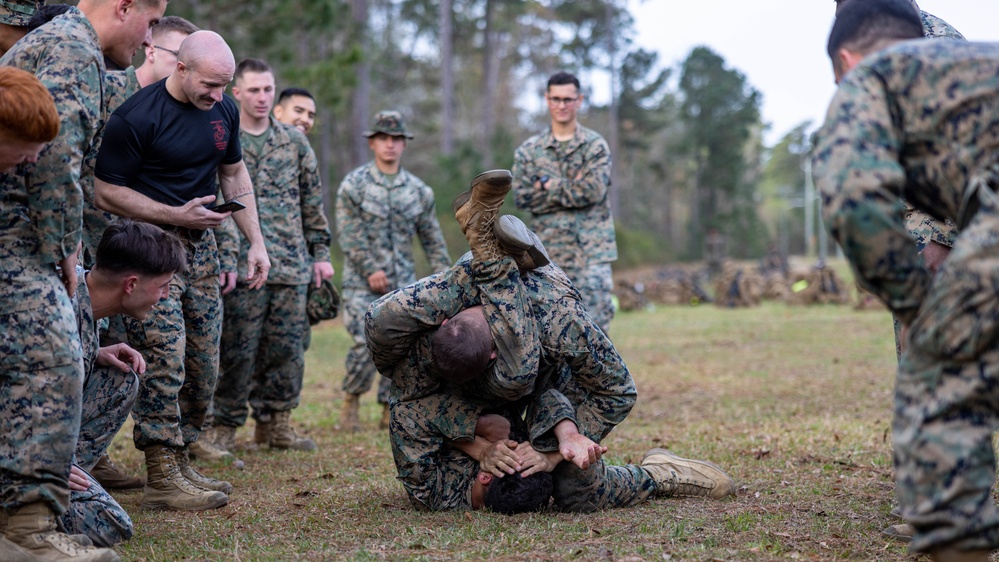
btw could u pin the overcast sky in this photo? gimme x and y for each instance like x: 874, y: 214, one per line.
x: 779, y: 45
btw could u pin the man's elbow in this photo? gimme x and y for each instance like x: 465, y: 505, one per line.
x: 102, y: 199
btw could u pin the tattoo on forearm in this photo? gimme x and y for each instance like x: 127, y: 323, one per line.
x: 240, y: 194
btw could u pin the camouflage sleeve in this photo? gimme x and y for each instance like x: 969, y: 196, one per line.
x: 395, y: 321
x: 428, y: 228
x: 351, y: 231
x: 314, y: 221
x: 549, y: 408
x: 435, y: 476
x: 54, y: 193
x: 523, y: 188
x: 925, y: 228
x: 856, y: 168
x: 587, y: 182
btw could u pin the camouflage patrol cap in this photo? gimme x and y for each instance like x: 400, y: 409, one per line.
x: 390, y: 123
x: 18, y: 12
x: 323, y: 303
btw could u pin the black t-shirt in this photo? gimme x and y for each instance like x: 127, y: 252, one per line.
x: 167, y: 150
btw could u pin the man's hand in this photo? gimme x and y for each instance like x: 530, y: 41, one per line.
x: 500, y: 459
x: 227, y: 282
x: 121, y: 357
x: 258, y: 264
x: 934, y: 255
x: 581, y: 450
x: 195, y: 216
x: 322, y: 270
x: 78, y: 479
x: 533, y: 461
x: 68, y: 273
x: 378, y: 282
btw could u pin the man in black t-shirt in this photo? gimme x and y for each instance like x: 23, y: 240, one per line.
x: 162, y: 151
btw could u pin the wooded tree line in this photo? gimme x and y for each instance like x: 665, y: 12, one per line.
x: 469, y: 75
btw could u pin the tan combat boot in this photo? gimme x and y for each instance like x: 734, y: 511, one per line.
x: 516, y: 240
x: 676, y: 476
x: 350, y: 416
x: 952, y: 555
x: 386, y: 417
x: 110, y: 477
x: 167, y: 488
x: 283, y: 436
x: 476, y: 211
x: 32, y: 535
x: 262, y: 433
x: 211, y: 444
x: 198, y: 479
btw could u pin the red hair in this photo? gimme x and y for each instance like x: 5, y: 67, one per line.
x: 27, y: 110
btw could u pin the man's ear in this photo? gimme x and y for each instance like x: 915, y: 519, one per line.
x: 129, y: 283
x: 846, y: 60
x: 493, y: 355
x: 484, y: 478
x: 122, y: 7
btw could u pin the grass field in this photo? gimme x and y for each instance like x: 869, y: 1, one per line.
x: 793, y: 402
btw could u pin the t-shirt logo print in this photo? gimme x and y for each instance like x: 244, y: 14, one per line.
x: 220, y: 135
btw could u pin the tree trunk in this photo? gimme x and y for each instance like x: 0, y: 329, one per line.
x: 614, y: 192
x: 447, y: 78
x: 490, y: 72
x: 359, y: 105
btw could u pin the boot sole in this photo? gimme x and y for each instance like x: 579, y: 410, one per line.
x: 165, y: 506
x: 513, y: 232
x: 463, y: 198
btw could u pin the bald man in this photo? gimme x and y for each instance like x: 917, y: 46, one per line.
x: 162, y: 152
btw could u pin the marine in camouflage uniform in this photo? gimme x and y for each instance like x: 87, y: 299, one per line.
x: 920, y: 120
x: 108, y: 395
x: 378, y: 216
x: 570, y: 211
x: 14, y: 18
x: 42, y: 369
x: 544, y: 302
x: 263, y: 334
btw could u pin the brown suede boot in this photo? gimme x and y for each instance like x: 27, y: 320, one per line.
x: 198, y: 479
x: 167, y: 488
x: 386, y: 417
x: 32, y: 534
x: 262, y: 433
x: 350, y: 416
x: 283, y: 435
x: 108, y: 475
x: 476, y: 211
x: 953, y: 555
x: 206, y: 449
x: 676, y: 476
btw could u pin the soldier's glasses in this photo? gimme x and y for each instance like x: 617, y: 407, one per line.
x: 560, y: 101
x: 171, y: 51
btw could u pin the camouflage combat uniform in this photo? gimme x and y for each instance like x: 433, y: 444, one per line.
x: 263, y: 332
x: 18, y: 12
x: 921, y: 120
x: 377, y: 219
x: 567, y: 356
x: 108, y: 395
x: 118, y: 87
x: 573, y: 216
x: 920, y: 225
x: 41, y: 366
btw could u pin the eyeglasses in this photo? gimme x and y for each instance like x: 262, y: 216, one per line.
x: 560, y: 101
x: 171, y: 51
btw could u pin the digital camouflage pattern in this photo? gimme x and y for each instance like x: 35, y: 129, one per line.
x: 18, y: 12
x: 262, y: 358
x: 289, y: 195
x: 118, y: 87
x: 377, y: 220
x: 264, y: 331
x: 573, y: 215
x: 323, y: 302
x: 41, y: 367
x: 108, y: 395
x: 537, y: 323
x: 179, y: 340
x: 879, y: 141
x: 389, y: 122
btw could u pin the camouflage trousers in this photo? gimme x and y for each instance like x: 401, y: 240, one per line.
x: 361, y: 370
x: 108, y: 395
x: 262, y: 358
x: 600, y: 487
x: 595, y: 284
x: 41, y: 384
x: 179, y: 340
x: 947, y: 398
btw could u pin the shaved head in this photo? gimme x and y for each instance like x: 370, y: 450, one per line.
x: 207, y: 49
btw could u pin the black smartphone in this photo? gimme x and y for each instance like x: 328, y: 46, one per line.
x: 229, y: 207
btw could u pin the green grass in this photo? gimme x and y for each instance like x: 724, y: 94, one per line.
x: 793, y: 402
